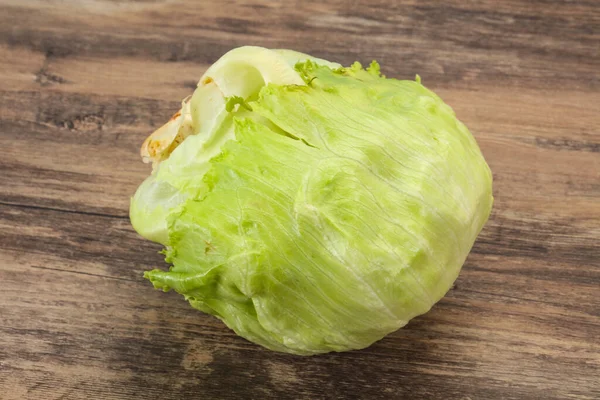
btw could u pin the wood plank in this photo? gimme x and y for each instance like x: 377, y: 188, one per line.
x: 83, y: 83
x: 99, y: 136
x: 122, y: 76
x: 474, y: 335
x: 523, y: 44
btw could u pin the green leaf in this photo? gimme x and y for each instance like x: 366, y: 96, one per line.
x: 322, y: 216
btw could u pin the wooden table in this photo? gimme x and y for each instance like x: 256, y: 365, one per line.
x: 82, y: 83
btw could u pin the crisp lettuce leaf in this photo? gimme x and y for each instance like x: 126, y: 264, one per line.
x: 326, y: 213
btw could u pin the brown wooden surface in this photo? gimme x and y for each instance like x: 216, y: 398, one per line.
x: 83, y: 82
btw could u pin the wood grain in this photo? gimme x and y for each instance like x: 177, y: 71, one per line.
x: 83, y: 83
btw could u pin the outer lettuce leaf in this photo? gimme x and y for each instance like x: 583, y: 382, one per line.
x: 344, y: 207
x: 238, y: 75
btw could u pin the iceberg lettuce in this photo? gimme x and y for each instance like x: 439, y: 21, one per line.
x: 311, y: 207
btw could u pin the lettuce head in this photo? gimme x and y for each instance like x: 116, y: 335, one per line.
x: 311, y: 207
